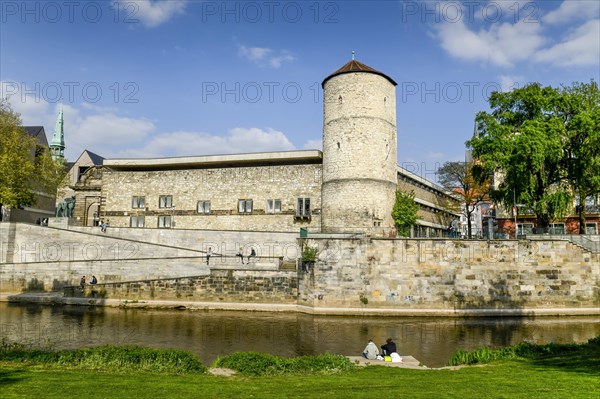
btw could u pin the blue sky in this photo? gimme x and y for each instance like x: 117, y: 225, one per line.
x: 173, y: 78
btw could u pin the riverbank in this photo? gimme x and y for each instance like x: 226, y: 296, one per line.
x: 525, y: 378
x: 57, y: 298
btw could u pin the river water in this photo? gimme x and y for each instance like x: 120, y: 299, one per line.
x: 210, y: 334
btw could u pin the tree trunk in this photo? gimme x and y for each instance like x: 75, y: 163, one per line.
x: 581, y: 217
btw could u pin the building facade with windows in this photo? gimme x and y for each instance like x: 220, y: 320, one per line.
x: 348, y: 187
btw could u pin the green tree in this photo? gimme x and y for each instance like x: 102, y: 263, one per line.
x: 460, y: 178
x: 24, y: 167
x: 580, y: 110
x: 523, y: 140
x: 404, y: 212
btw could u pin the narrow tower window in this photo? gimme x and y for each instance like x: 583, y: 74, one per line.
x: 339, y: 99
x: 338, y: 143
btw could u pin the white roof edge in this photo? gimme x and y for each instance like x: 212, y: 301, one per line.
x: 435, y: 206
x: 420, y: 179
x: 421, y: 222
x: 209, y: 159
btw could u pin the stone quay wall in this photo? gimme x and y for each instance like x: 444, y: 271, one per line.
x: 220, y: 286
x: 451, y: 274
x: 351, y: 275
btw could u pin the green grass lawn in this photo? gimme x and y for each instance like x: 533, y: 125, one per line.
x: 523, y: 378
x: 522, y: 371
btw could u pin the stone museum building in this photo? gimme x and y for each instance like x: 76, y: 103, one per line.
x: 348, y: 187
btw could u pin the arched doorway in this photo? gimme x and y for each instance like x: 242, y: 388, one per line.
x: 92, y: 212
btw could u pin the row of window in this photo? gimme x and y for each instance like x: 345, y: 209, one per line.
x: 164, y: 201
x: 164, y: 221
x: 244, y: 205
x: 591, y: 228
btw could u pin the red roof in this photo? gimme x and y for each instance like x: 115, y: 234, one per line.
x: 355, y: 66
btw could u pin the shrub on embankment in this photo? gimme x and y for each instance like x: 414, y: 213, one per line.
x: 108, y: 358
x: 525, y: 350
x: 254, y: 363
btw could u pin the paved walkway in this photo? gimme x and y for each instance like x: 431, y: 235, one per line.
x: 408, y: 362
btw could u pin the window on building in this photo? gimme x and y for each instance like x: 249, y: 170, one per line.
x: 137, y: 221
x: 303, y: 208
x: 274, y: 206
x: 165, y: 201
x: 81, y: 171
x: 164, y: 222
x: 557, y: 228
x: 138, y: 202
x: 524, y: 228
x: 203, y: 207
x: 245, y: 206
x: 591, y: 228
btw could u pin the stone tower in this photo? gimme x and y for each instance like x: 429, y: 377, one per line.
x: 57, y: 145
x: 359, y: 150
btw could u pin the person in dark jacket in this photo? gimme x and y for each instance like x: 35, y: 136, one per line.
x: 389, y: 347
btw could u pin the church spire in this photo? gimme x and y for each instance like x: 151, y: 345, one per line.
x: 57, y: 145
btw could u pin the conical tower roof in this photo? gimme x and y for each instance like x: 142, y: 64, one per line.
x: 57, y: 145
x: 355, y: 66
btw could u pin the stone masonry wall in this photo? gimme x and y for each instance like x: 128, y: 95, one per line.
x: 451, y: 274
x: 266, y: 244
x: 223, y: 187
x: 277, y: 287
x: 359, y: 152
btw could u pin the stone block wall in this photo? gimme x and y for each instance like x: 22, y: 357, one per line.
x: 266, y: 244
x: 23, y: 243
x: 239, y: 286
x: 223, y: 187
x: 451, y: 274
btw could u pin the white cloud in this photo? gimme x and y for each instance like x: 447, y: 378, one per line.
x: 103, y: 131
x: 254, y: 53
x: 496, y: 10
x: 100, y: 130
x: 573, y: 10
x: 265, y: 56
x: 502, y: 44
x: 580, y: 48
x: 151, y: 12
x: 313, y: 145
x: 237, y: 140
x: 507, y: 44
x: 509, y: 82
x: 276, y: 61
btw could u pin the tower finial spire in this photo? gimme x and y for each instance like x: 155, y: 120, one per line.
x: 57, y: 146
x: 352, y: 55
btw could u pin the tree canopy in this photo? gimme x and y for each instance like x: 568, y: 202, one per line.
x: 404, y: 212
x: 462, y: 179
x: 25, y: 167
x: 543, y: 144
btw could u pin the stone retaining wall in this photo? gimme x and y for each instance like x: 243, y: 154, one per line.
x: 451, y: 274
x: 239, y: 286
